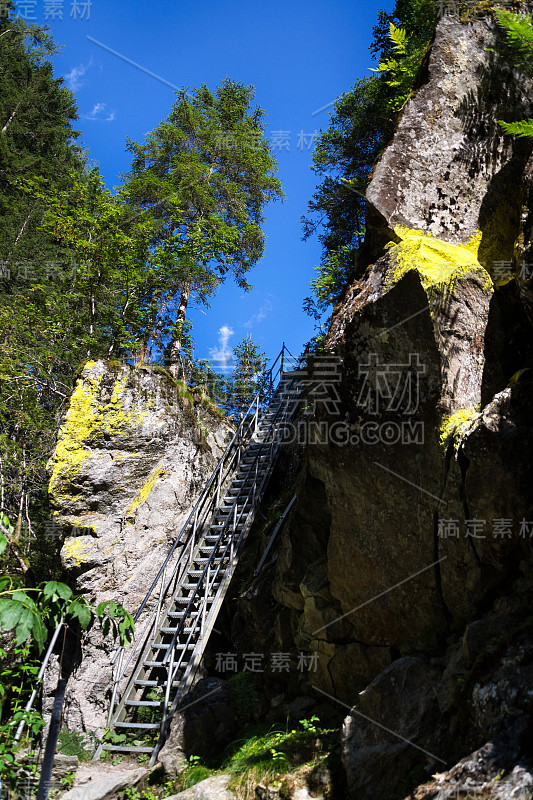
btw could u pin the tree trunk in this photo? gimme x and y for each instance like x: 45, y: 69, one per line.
x: 175, y: 363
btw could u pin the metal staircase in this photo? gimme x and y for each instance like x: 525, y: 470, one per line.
x: 181, y: 606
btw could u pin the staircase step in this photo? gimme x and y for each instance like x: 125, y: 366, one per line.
x: 185, y: 630
x: 160, y: 683
x: 145, y: 682
x: 126, y: 748
x: 143, y: 703
x: 182, y: 601
x: 154, y: 664
x: 177, y: 646
x: 218, y: 526
x: 191, y: 586
x: 144, y: 726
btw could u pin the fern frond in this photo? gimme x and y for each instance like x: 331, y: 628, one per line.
x: 398, y: 37
x: 523, y: 128
x: 518, y: 30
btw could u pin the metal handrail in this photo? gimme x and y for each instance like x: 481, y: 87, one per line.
x: 204, y: 506
x: 222, y: 533
x: 38, y: 679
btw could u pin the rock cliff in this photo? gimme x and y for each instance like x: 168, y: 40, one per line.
x: 133, y: 453
x: 406, y: 563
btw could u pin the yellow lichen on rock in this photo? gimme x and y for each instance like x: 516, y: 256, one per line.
x: 144, y: 491
x: 89, y: 420
x: 76, y: 550
x: 455, y: 426
x: 439, y: 264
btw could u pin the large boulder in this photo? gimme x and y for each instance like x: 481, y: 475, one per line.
x: 382, y: 555
x: 391, y: 725
x: 207, y: 723
x: 133, y: 453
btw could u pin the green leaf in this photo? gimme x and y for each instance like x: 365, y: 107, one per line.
x: 64, y: 591
x: 40, y: 635
x: 10, y: 612
x: 25, y: 625
x: 524, y: 128
x: 81, y: 612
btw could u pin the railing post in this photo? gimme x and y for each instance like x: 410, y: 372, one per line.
x: 160, y: 603
x: 204, y: 604
x: 282, y: 355
x: 219, y: 482
x: 168, y: 687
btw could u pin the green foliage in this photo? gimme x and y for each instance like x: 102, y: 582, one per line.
x: 203, y: 176
x: 38, y: 356
x: 523, y: 128
x: 73, y: 743
x: 248, y: 373
x: 518, y: 46
x: 401, y: 70
x: 193, y: 773
x: 29, y: 612
x: 278, y: 752
x: 310, y: 724
x: 518, y: 38
x: 18, y: 669
x: 332, y: 276
x: 24, y: 610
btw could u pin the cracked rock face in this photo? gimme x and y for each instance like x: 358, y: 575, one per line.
x: 449, y: 169
x: 383, y: 555
x: 415, y: 509
x: 133, y: 454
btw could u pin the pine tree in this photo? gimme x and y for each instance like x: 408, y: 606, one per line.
x: 204, y: 174
x: 248, y: 373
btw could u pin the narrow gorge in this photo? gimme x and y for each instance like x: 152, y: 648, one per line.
x: 401, y: 577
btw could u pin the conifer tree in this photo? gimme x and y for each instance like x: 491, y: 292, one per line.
x: 204, y: 174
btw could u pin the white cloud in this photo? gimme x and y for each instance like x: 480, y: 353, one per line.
x: 75, y: 76
x: 255, y: 319
x: 98, y: 114
x: 222, y: 354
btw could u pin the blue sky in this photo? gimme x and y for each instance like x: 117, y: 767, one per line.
x: 299, y: 56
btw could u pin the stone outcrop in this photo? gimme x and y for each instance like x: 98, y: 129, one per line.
x: 214, y: 788
x: 206, y: 725
x: 405, y: 566
x: 134, y: 451
x: 414, y: 517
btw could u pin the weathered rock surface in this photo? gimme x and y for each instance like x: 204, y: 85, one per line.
x: 414, y: 518
x: 449, y: 168
x: 206, y: 725
x: 214, y: 788
x: 132, y: 456
x: 500, y: 770
x: 105, y: 787
x: 381, y: 736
